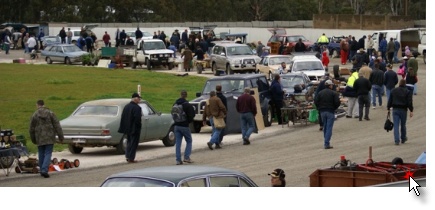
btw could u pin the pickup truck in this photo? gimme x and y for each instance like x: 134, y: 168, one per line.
x: 152, y: 52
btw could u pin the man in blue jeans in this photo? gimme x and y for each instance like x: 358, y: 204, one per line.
x: 214, y: 109
x: 377, y: 80
x: 400, y: 100
x: 247, y: 108
x: 182, y: 129
x: 44, y: 126
x: 327, y: 101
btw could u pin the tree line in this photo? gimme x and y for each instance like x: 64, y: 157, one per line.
x: 127, y: 11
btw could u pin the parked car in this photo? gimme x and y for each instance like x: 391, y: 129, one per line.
x: 233, y: 58
x: 279, y: 35
x: 152, y: 53
x: 232, y: 87
x: 290, y: 80
x: 49, y: 41
x: 95, y: 124
x: 65, y: 53
x: 333, y: 46
x: 132, y: 35
x: 269, y: 64
x: 180, y: 176
x: 308, y: 64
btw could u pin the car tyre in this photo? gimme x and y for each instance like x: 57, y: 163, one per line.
x: 75, y: 149
x: 229, y: 71
x: 170, y: 66
x: 133, y: 65
x: 121, y: 147
x: 169, y: 139
x: 49, y: 61
x: 68, y: 61
x: 215, y: 69
x: 148, y: 62
x: 268, y: 117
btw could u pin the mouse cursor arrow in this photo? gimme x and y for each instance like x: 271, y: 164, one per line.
x: 413, y: 185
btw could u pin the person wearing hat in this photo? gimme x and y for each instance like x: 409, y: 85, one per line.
x: 131, y: 125
x: 277, y: 178
x: 390, y: 80
x: 327, y: 101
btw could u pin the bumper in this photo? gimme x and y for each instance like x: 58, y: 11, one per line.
x: 89, y: 140
x: 242, y: 67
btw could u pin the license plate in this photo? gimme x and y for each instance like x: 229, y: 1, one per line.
x: 79, y: 140
x: 248, y: 65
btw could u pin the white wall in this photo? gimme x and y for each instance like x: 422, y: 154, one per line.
x: 254, y: 34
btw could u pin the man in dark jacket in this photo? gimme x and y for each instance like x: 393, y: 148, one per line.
x: 300, y: 46
x: 377, y: 80
x: 131, y: 125
x: 362, y: 87
x: 321, y: 87
x: 327, y: 101
x: 44, y: 126
x: 62, y: 35
x: 182, y: 129
x: 220, y: 95
x: 362, y: 42
x: 123, y: 37
x: 277, y: 97
x: 401, y: 100
x: 247, y: 108
x: 139, y: 35
x: 184, y: 37
x: 390, y: 80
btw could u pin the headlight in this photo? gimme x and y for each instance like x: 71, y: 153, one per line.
x: 153, y: 56
x: 236, y: 61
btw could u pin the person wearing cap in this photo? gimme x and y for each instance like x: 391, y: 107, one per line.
x: 390, y: 80
x: 131, y: 125
x: 277, y: 178
x: 377, y: 80
x: 247, y: 108
x: 400, y: 100
x: 327, y: 101
x: 182, y: 129
x: 362, y: 87
x: 412, y: 63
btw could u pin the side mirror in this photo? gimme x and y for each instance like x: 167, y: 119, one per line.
x: 198, y: 94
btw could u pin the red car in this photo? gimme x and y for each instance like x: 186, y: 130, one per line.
x: 279, y: 35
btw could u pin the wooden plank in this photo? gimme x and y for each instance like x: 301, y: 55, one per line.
x: 259, y: 117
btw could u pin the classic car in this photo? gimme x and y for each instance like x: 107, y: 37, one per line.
x: 49, y: 41
x: 232, y: 87
x: 65, y: 53
x: 95, y: 124
x: 269, y: 64
x: 279, y: 35
x: 179, y: 176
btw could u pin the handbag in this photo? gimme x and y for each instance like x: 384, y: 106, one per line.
x: 401, y: 70
x: 219, y: 123
x: 388, y: 126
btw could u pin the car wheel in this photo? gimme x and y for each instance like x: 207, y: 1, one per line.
x: 257, y: 72
x: 75, y: 149
x: 198, y: 68
x: 229, y: 70
x: 268, y: 117
x: 133, y: 65
x: 197, y: 127
x: 170, y: 66
x: 68, y: 61
x: 169, y: 139
x: 49, y: 61
x: 214, y: 69
x: 148, y: 62
x: 120, y: 148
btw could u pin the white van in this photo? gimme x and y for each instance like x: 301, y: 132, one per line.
x: 407, y: 37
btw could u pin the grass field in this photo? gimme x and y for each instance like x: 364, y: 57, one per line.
x: 63, y: 88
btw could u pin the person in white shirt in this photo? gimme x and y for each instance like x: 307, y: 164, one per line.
x: 31, y: 43
x: 281, y: 69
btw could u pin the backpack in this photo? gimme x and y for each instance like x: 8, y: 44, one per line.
x: 178, y: 114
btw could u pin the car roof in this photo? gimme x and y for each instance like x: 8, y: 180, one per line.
x: 305, y: 57
x: 111, y: 101
x: 229, y: 44
x: 237, y: 76
x: 176, y: 174
x: 277, y: 56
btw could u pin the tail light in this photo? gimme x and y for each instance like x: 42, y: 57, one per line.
x: 105, y: 132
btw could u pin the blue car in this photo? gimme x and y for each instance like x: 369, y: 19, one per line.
x: 49, y: 41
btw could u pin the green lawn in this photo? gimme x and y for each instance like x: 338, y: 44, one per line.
x: 63, y: 88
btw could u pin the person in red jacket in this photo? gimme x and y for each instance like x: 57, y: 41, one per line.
x: 325, y: 59
x: 106, y: 39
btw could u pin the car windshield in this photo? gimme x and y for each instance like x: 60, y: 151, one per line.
x: 307, y: 66
x: 135, y: 182
x: 295, y: 38
x: 239, y: 50
x: 97, y: 110
x: 51, y: 39
x: 154, y: 46
x: 290, y: 82
x: 233, y: 85
x: 71, y: 48
x: 279, y: 60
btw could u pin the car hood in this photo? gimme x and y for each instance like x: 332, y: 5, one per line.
x: 162, y: 51
x: 74, y: 122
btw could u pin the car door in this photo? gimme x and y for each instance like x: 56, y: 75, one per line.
x: 152, y: 125
x: 58, y: 54
x: 221, y: 57
x: 263, y: 65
